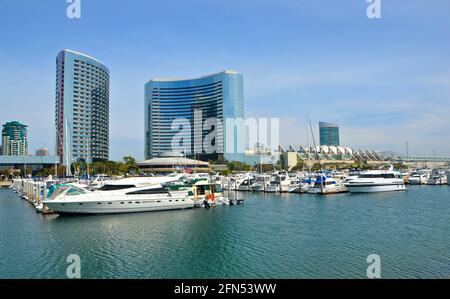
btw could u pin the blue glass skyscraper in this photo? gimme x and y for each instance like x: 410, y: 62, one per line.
x: 219, y: 96
x: 329, y: 134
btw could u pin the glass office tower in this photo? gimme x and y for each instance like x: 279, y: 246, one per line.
x: 82, y: 108
x: 329, y: 134
x: 219, y: 96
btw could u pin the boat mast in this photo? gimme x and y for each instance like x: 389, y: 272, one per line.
x: 56, y: 154
x: 66, y: 137
x: 317, y: 154
x: 309, y: 147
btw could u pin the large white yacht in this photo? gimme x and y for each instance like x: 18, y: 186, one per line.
x: 377, y: 181
x: 121, y: 196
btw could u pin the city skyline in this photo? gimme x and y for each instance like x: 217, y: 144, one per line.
x: 386, y: 81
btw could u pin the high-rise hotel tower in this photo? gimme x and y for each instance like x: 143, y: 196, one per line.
x: 82, y: 108
x: 218, y: 96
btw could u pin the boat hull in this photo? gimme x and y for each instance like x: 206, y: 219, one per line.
x: 375, y: 188
x: 118, y: 207
x: 417, y: 181
x: 244, y: 188
x: 272, y: 189
x: 325, y: 191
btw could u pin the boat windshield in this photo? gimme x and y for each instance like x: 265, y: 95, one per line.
x: 75, y: 191
x: 71, y: 191
x: 378, y: 176
x: 115, y: 187
x: 57, y: 191
x: 218, y: 189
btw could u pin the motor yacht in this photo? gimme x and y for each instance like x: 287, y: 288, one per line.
x: 127, y: 195
x: 377, y: 181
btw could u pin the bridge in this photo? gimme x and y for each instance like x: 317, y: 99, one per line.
x: 425, y: 159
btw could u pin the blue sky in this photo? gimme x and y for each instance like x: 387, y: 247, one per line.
x: 385, y: 81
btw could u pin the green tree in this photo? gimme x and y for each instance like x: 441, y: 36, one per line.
x: 299, y: 167
x: 5, y: 174
x: 225, y: 172
x: 130, y: 165
x: 238, y: 166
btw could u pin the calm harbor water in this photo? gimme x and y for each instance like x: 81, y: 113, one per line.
x: 270, y: 236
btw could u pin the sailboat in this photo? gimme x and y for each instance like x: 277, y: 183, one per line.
x: 324, y: 184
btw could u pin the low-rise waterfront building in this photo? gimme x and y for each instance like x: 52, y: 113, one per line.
x: 34, y: 163
x: 291, y: 156
x: 170, y: 162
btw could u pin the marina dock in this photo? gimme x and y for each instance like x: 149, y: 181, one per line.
x: 33, y: 192
x: 5, y: 184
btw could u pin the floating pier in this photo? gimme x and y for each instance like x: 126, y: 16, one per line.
x: 5, y: 184
x: 33, y: 192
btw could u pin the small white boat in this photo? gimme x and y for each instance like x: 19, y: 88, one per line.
x: 261, y: 182
x: 246, y: 184
x: 39, y: 207
x: 326, y: 185
x: 281, y: 183
x: 207, y: 195
x: 273, y: 187
x: 300, y: 187
x: 419, y: 177
x: 437, y: 179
